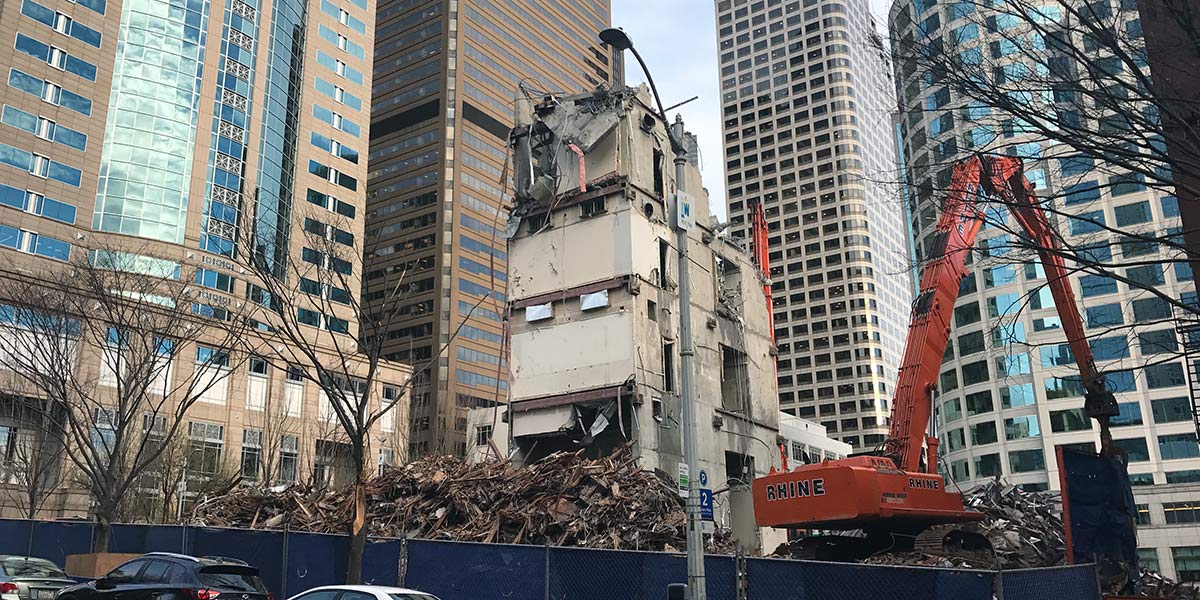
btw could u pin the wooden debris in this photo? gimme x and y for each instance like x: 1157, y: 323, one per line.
x: 564, y: 499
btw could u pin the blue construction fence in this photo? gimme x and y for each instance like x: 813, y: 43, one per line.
x: 293, y: 562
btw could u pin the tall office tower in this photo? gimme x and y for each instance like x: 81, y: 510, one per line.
x: 106, y: 106
x: 1009, y: 391
x: 446, y: 79
x: 807, y: 99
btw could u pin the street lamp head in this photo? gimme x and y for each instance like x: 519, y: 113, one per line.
x: 617, y: 38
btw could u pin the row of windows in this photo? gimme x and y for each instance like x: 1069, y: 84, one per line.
x: 334, y: 147
x: 336, y: 120
x: 343, y: 17
x: 39, y: 165
x: 322, y: 321
x: 56, y: 57
x: 332, y: 175
x: 339, y: 68
x: 34, y: 243
x: 43, y: 128
x: 49, y: 92
x: 338, y: 94
x: 341, y: 42
x: 483, y: 270
x: 61, y: 23
x: 37, y: 204
x: 330, y: 203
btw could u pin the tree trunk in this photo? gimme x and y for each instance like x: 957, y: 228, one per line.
x: 103, y: 533
x: 358, y: 531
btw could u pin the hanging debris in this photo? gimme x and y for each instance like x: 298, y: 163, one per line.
x: 563, y: 500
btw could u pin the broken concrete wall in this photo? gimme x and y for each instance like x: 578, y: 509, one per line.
x: 612, y: 373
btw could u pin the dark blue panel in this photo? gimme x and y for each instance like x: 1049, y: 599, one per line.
x: 381, y: 562
x: 146, y: 538
x: 315, y: 559
x: 54, y: 540
x: 458, y: 571
x: 800, y: 580
x: 14, y: 536
x: 583, y: 574
x: 1061, y: 583
x: 776, y: 579
x: 263, y: 549
x: 1103, y: 513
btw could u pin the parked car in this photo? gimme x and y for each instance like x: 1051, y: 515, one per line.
x: 361, y: 592
x: 166, y: 576
x: 29, y: 578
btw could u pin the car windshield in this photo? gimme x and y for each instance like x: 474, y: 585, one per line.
x: 412, y: 597
x: 31, y: 567
x: 241, y: 579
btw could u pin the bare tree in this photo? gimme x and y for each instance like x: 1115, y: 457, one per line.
x: 29, y: 453
x: 328, y: 335
x: 1066, y: 85
x: 114, y: 339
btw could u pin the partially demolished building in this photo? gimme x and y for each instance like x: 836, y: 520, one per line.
x: 593, y: 274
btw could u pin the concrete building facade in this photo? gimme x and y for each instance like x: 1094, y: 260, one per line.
x: 1009, y: 391
x: 447, y: 73
x: 806, y: 96
x: 105, y: 108
x: 594, y: 296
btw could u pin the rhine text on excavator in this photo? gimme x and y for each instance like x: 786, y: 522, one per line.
x: 796, y: 489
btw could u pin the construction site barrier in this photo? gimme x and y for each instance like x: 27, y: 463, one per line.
x: 292, y: 562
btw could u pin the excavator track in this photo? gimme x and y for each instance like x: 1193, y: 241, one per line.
x: 963, y: 541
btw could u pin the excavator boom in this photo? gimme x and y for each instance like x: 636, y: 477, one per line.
x: 901, y: 491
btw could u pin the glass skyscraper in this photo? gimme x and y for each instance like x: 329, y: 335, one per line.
x: 170, y: 131
x: 807, y: 103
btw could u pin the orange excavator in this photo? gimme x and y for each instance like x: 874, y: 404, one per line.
x: 895, y: 495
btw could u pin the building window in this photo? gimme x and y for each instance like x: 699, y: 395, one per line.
x: 987, y: 465
x: 206, y: 441
x: 1136, y: 448
x: 1148, y: 557
x: 1143, y: 514
x: 669, y: 367
x: 251, y: 454
x: 1024, y: 461
x: 1071, y: 419
x: 483, y: 433
x: 1161, y: 376
x: 387, y: 459
x: 258, y: 365
x: 591, y: 208
x: 1180, y: 445
x: 1187, y: 563
x: 1171, y: 410
x: 289, y: 457
x: 1181, y: 512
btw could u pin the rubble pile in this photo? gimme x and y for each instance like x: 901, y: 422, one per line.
x: 1025, y: 528
x: 563, y: 500
x: 1153, y: 585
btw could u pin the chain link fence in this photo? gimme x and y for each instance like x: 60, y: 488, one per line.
x: 293, y: 562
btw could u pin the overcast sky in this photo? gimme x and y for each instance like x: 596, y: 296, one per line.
x: 678, y: 40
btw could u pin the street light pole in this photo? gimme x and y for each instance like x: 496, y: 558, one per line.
x: 687, y: 388
x: 620, y: 41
